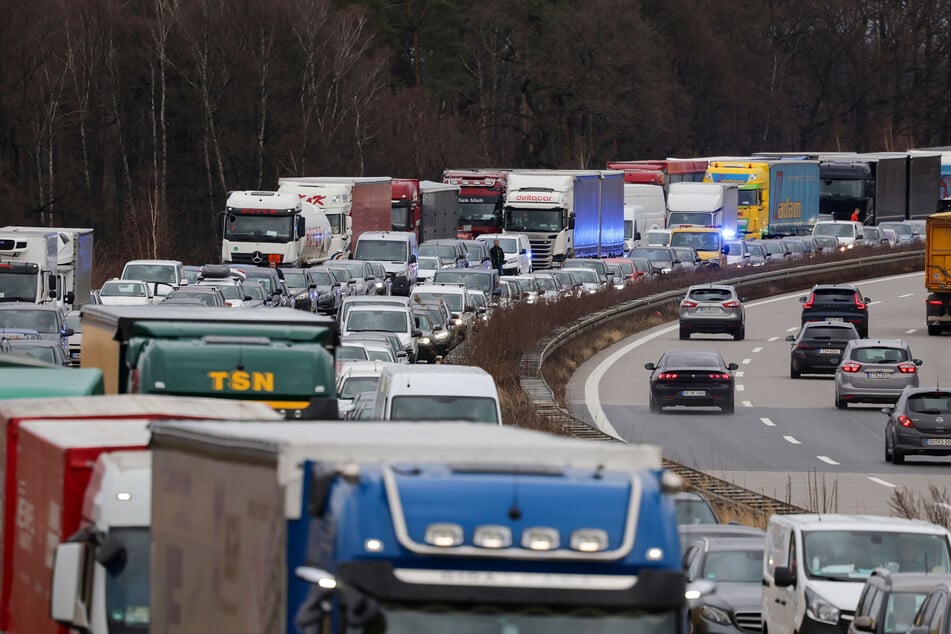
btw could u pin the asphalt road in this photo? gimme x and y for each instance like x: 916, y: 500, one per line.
x: 786, y: 439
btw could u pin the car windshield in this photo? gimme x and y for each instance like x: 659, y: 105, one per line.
x: 476, y: 280
x: 476, y: 252
x: 320, y: 278
x: 255, y: 291
x: 655, y: 255
x: 736, y: 566
x: 627, y: 268
x: 38, y: 320
x: 295, y: 279
x: 455, y: 301
x: 355, y: 268
x: 444, y: 251
x: 73, y: 320
x: 794, y: 246
x: 123, y: 289
x: 230, y: 291
x: 847, y: 555
x: 444, y: 407
x: 428, y: 264
x: 422, y: 321
x: 829, y: 332
x: 163, y: 273
x: 40, y: 353
x: 585, y: 275
x: 930, y: 403
x: 773, y: 247
x: 382, y: 250
x: 546, y: 283
x: 900, y: 611
x: 900, y: 228
x: 843, y: 230
x: 690, y: 359
x: 127, y: 589
x: 381, y: 320
x: 755, y: 249
x: 658, y: 237
x: 694, y: 512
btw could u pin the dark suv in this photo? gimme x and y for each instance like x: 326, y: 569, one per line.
x: 818, y: 347
x: 890, y: 600
x: 837, y: 302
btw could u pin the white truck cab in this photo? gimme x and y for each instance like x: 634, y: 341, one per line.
x: 815, y: 566
x: 440, y: 392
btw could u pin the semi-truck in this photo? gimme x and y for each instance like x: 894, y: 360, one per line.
x: 50, y: 452
x: 46, y: 265
x: 426, y: 527
x: 108, y: 332
x: 426, y: 208
x: 274, y: 229
x: 775, y: 197
x: 938, y: 272
x: 566, y: 214
x: 704, y: 205
x: 664, y: 172
x: 351, y: 205
x: 481, y: 197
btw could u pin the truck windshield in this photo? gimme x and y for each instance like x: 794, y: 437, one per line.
x: 336, y: 223
x: 477, y: 212
x: 533, y: 219
x: 381, y: 250
x: 127, y: 591
x: 402, y: 219
x: 241, y: 228
x: 853, y: 555
x: 688, y: 218
x: 486, y: 619
x: 17, y: 286
x: 747, y: 198
x: 834, y: 188
x: 469, y: 408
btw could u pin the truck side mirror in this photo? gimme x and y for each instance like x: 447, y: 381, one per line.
x: 571, y: 222
x: 412, y: 258
x: 68, y: 604
x: 70, y: 297
x: 301, y: 226
x: 52, y: 285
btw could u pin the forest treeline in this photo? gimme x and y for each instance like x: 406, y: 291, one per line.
x: 138, y: 116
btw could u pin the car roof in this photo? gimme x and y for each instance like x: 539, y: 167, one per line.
x: 28, y: 306
x: 723, y: 287
x: 392, y: 307
x: 878, y: 343
x: 908, y: 581
x: 722, y: 544
x: 848, y: 521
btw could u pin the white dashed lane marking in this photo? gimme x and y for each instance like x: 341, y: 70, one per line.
x: 911, y: 332
x: 827, y: 459
x: 746, y: 361
x: 772, y: 339
x: 738, y: 374
x: 791, y: 440
x: 740, y: 388
x: 747, y: 404
x: 884, y: 483
x: 756, y: 349
x: 768, y: 422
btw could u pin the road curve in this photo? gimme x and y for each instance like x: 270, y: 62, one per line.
x: 786, y: 439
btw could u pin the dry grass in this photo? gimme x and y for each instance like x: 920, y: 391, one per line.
x: 936, y: 508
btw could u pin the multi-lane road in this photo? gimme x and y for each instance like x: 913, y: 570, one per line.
x: 786, y: 439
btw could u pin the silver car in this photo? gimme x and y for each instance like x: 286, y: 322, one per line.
x: 874, y: 371
x: 712, y: 308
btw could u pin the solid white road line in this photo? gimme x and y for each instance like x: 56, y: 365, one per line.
x: 747, y: 404
x: 740, y: 388
x: 768, y: 422
x: 791, y: 440
x: 827, y: 459
x: 756, y: 349
x: 772, y: 339
x: 883, y: 482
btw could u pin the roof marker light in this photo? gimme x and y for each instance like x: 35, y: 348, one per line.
x: 123, y: 497
x: 373, y: 545
x: 444, y: 535
x: 655, y: 554
x: 589, y: 540
x: 540, y: 538
x: 492, y: 536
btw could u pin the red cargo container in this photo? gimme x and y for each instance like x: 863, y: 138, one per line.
x: 50, y: 489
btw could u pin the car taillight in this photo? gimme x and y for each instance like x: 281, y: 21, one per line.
x: 808, y: 303
x: 719, y: 376
x: 859, y: 304
x: 731, y: 304
x: 933, y: 302
x: 851, y: 367
x: 907, y: 368
x: 803, y: 346
x: 904, y: 421
x: 688, y: 304
x: 667, y: 376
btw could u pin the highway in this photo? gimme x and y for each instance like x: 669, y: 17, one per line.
x: 786, y: 439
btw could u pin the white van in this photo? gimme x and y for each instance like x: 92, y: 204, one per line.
x: 439, y: 392
x: 164, y: 275
x: 649, y: 204
x: 396, y: 251
x: 517, y: 248
x: 815, y: 566
x: 847, y: 232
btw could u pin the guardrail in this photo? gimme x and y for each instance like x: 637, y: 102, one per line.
x: 534, y: 385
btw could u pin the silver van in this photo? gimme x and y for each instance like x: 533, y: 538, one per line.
x: 396, y: 251
x: 439, y: 392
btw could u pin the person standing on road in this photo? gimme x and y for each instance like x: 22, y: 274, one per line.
x: 855, y: 215
x: 497, y: 255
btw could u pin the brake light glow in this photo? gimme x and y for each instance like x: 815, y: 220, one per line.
x: 803, y: 346
x: 720, y: 376
x: 904, y: 421
x: 731, y: 304
x: 667, y: 376
x: 859, y: 303
x: 907, y: 368
x: 851, y: 367
x: 933, y: 302
x: 809, y: 302
x: 688, y: 303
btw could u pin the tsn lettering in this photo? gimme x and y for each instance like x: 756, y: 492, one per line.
x: 241, y: 381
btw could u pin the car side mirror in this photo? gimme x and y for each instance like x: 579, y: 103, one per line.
x: 496, y: 291
x: 335, y: 285
x: 248, y: 298
x: 918, y: 362
x: 867, y: 300
x: 417, y: 333
x: 649, y: 366
x: 69, y: 332
x: 401, y: 354
x: 802, y: 299
x: 311, y: 287
x: 887, y: 410
x: 351, y: 282
x: 183, y: 282
x: 790, y: 337
x: 732, y: 366
x: 481, y: 311
x: 437, y: 327
x: 784, y: 577
x: 744, y: 299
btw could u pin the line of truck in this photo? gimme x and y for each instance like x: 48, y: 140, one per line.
x: 46, y: 265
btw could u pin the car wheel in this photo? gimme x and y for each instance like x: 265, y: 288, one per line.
x: 740, y: 333
x: 794, y: 372
x: 728, y: 408
x: 897, y: 456
x: 934, y: 330
x: 841, y: 403
x: 655, y: 406
x: 888, y: 450
x: 684, y: 333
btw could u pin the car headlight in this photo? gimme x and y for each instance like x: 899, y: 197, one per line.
x: 457, y: 321
x: 424, y: 341
x: 820, y: 609
x: 442, y: 334
x: 715, y: 615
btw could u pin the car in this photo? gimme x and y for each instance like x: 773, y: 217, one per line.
x: 589, y: 279
x: 688, y: 258
x: 388, y: 339
x: 874, y: 238
x: 724, y: 579
x: 377, y: 350
x: 644, y: 268
x: 258, y: 295
x: 836, y: 302
x: 483, y: 309
x: 74, y: 322
x: 553, y: 290
x: 361, y: 407
x: 427, y: 267
x: 191, y: 273
x: 478, y: 254
x: 162, y: 275
x: 446, y: 338
x: 385, y: 318
x: 817, y: 347
x: 918, y: 424
x: 47, y: 320
x: 757, y: 253
x: 890, y: 238
x: 116, y: 292
x: 874, y: 371
x: 691, y: 378
x: 624, y: 271
x: 890, y: 600
x: 207, y: 295
x: 531, y: 286
x: 689, y: 533
x: 572, y: 285
x: 776, y: 250
x: 364, y: 274
x: 39, y: 349
x: 693, y: 508
x: 827, y: 244
x: 795, y: 247
x: 517, y: 248
x: 595, y: 264
x: 348, y: 302
x: 431, y: 350
x: 349, y: 285
x: 396, y: 252
x: 934, y: 614
x: 474, y: 279
x: 656, y: 238
x: 456, y: 297
x: 271, y: 280
x: 903, y: 230
x: 323, y: 293
x: 663, y: 258
x: 230, y: 281
x: 737, y: 253
x: 712, y: 308
x: 451, y: 250
x: 848, y: 233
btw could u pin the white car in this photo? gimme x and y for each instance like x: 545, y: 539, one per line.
x: 116, y: 292
x: 354, y: 378
x: 163, y: 275
x: 387, y: 318
x: 517, y: 248
x: 428, y: 265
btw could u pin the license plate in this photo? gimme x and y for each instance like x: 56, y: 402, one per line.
x: 693, y: 393
x: 833, y: 319
x: 878, y: 375
x: 938, y: 442
x: 829, y: 351
x: 709, y: 309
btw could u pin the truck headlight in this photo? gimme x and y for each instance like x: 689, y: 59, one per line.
x: 820, y: 609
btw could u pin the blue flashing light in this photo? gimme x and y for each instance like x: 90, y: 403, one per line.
x: 728, y: 234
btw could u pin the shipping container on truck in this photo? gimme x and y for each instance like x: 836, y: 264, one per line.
x: 352, y: 205
x: 938, y: 272
x: 481, y: 197
x: 611, y: 222
x: 108, y: 329
x: 663, y: 172
x: 73, y: 267
x: 117, y: 410
x: 472, y: 515
x: 793, y: 197
x: 439, y: 211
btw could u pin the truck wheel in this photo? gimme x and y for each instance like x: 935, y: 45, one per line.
x: 934, y: 330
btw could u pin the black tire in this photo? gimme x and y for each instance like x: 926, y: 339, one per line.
x: 841, y: 403
x: 794, y: 372
x: 888, y: 451
x: 740, y: 334
x: 897, y: 456
x: 684, y: 333
x: 728, y: 408
x: 655, y: 407
x: 934, y: 330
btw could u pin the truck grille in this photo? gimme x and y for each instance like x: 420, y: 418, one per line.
x: 541, y: 253
x: 749, y: 621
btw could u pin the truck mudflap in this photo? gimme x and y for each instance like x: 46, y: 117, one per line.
x: 318, y: 408
x: 652, y: 590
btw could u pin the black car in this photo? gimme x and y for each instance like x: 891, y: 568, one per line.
x: 890, y: 600
x: 485, y: 280
x: 323, y: 293
x: 817, y: 349
x: 837, y: 302
x: 271, y: 280
x: 449, y: 249
x: 478, y: 254
x: 691, y: 378
x: 664, y: 259
x: 724, y: 584
x: 207, y: 295
x: 919, y: 424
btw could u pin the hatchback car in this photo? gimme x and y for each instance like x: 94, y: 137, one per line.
x: 836, y: 302
x: 817, y: 349
x: 934, y: 615
x: 919, y: 424
x: 451, y: 250
x: 40, y: 349
x: 890, y: 600
x: 874, y: 371
x: 691, y: 378
x: 712, y: 308
x: 725, y: 577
